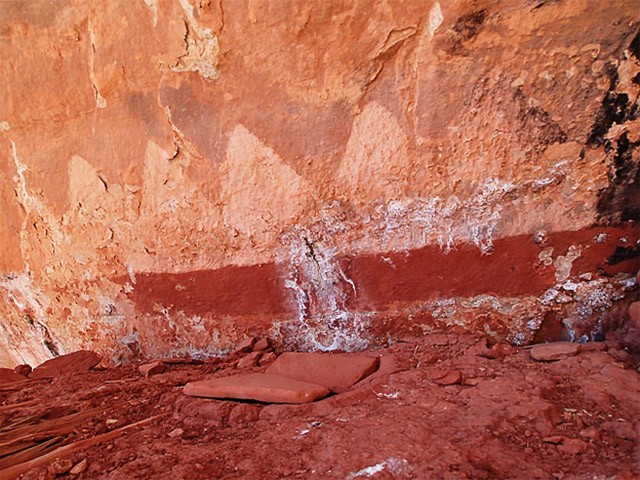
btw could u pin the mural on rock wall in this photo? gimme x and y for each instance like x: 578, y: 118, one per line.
x: 176, y: 174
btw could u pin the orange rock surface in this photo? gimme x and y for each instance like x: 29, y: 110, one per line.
x: 176, y: 174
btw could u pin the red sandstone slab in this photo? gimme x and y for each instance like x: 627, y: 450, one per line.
x: 257, y: 386
x: 337, y: 372
x: 76, y: 362
x: 551, y: 352
x: 153, y: 368
x: 7, y: 375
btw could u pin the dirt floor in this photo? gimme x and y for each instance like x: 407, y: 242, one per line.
x: 453, y: 408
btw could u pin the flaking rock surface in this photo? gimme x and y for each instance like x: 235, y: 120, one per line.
x: 175, y: 174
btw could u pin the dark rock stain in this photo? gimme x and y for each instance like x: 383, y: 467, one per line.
x: 466, y: 28
x: 536, y: 125
x: 634, y: 47
x: 623, y: 253
x: 614, y: 109
x: 469, y: 25
x: 620, y: 200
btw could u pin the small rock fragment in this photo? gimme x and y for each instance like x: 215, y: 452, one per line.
x: 76, y: 362
x: 250, y: 360
x: 79, y: 468
x: 245, y: 345
x: 572, y: 446
x: 554, y: 439
x: 590, y: 433
x: 153, y: 368
x: 267, y: 358
x: 428, y: 359
x: 623, y: 430
x: 551, y: 352
x: 451, y: 377
x: 619, y: 355
x: 23, y: 370
x: 261, y: 345
x: 176, y: 432
x: 497, y: 351
x: 471, y: 382
x: 60, y: 466
x: 257, y: 386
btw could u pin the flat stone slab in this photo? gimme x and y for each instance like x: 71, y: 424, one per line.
x: 551, y: 352
x: 7, y: 375
x: 261, y: 387
x: 337, y: 372
x: 153, y: 368
x: 76, y: 362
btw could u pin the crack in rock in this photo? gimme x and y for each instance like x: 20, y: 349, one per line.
x: 101, y: 102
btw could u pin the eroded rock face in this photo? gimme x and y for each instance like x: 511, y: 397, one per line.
x: 177, y: 174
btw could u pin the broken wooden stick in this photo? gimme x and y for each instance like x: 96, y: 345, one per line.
x: 19, y: 469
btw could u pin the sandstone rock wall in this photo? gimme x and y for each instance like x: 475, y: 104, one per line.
x: 176, y: 174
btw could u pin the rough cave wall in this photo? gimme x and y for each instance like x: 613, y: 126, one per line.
x: 176, y: 174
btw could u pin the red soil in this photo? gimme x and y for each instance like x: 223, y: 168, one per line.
x: 441, y: 407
